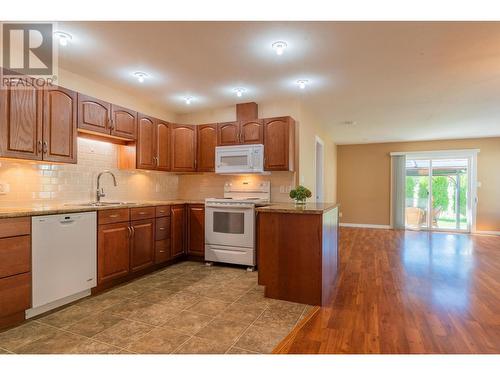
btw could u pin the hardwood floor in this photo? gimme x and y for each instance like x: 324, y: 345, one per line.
x: 409, y: 292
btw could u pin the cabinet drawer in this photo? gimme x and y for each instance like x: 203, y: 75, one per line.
x: 139, y: 213
x: 15, y: 294
x: 114, y: 216
x: 17, y: 226
x: 15, y: 255
x: 162, y: 228
x: 162, y: 211
x: 162, y: 251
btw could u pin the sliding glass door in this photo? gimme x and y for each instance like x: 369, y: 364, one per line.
x: 438, y: 193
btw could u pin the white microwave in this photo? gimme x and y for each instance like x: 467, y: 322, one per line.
x: 239, y: 159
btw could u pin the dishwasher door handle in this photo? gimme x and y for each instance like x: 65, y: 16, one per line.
x: 67, y: 221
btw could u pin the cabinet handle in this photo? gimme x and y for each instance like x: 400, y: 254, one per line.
x: 114, y: 215
x: 142, y: 213
x: 111, y: 124
x: 162, y: 228
x: 133, y: 231
x: 129, y: 232
x: 39, y: 146
x: 44, y: 147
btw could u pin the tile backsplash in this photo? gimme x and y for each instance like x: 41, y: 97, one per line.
x: 38, y: 183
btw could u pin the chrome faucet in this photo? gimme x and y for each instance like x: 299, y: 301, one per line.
x: 100, y: 191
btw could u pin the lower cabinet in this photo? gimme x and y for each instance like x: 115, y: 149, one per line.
x: 142, y: 246
x: 113, y: 260
x: 178, y: 230
x: 196, y: 230
x: 15, y: 270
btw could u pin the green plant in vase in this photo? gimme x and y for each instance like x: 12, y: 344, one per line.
x: 300, y: 194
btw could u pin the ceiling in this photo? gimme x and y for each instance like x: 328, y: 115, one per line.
x: 368, y: 81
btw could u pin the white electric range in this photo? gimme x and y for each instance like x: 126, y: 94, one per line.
x: 230, y: 222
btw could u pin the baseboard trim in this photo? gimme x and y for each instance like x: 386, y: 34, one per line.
x: 372, y: 226
x: 487, y: 232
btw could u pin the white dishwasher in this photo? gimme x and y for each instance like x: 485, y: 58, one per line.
x: 64, y: 259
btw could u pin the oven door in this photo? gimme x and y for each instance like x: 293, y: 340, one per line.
x: 230, y: 226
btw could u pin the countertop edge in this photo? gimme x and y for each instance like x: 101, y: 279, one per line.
x: 291, y: 208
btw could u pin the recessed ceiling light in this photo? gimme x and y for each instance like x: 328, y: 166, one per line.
x: 279, y: 47
x: 64, y: 38
x: 188, y: 99
x: 141, y: 76
x: 239, y: 91
x: 302, y: 83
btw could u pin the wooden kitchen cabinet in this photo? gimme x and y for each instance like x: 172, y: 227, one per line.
x: 113, y: 251
x: 15, y: 270
x: 196, y: 230
x: 252, y: 132
x: 279, y: 144
x: 39, y: 124
x: 162, y: 145
x: 178, y: 230
x: 59, y: 125
x: 207, y: 141
x: 183, y: 148
x: 93, y: 114
x: 162, y: 244
x: 21, y: 123
x: 142, y: 247
x: 228, y: 134
x: 123, y: 122
x: 145, y: 142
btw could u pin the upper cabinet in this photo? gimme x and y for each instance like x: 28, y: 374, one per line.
x: 146, y: 150
x: 252, y: 132
x: 93, y: 114
x: 59, y: 125
x: 39, y: 124
x: 183, y: 148
x: 153, y: 144
x: 21, y: 123
x: 100, y: 117
x: 207, y: 141
x: 228, y: 134
x: 123, y: 122
x: 162, y: 144
x: 279, y: 144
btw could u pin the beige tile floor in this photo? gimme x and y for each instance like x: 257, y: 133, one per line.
x: 184, y: 308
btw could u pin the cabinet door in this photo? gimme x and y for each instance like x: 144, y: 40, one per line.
x: 252, y: 132
x: 93, y: 114
x: 123, y: 122
x: 196, y: 230
x: 21, y: 123
x: 59, y: 125
x: 183, y: 153
x: 142, y: 249
x: 228, y: 134
x: 177, y: 226
x: 207, y: 141
x: 162, y: 145
x: 146, y: 152
x: 278, y: 144
x: 113, y: 251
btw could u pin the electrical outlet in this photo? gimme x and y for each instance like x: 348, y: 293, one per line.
x: 4, y: 188
x: 340, y: 214
x: 282, y: 189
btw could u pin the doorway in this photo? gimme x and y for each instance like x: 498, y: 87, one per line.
x: 319, y: 160
x: 439, y: 191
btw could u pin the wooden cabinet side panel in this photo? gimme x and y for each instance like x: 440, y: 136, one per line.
x: 178, y: 233
x: 196, y: 230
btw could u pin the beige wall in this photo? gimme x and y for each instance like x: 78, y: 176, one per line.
x: 364, y: 180
x: 307, y: 128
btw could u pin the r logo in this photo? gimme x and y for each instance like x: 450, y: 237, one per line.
x: 27, y: 48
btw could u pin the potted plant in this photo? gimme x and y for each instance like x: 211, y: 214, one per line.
x: 300, y: 194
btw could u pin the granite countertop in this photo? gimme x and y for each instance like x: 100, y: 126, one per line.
x: 38, y: 210
x: 292, y: 208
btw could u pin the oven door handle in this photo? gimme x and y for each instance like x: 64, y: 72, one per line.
x: 230, y: 206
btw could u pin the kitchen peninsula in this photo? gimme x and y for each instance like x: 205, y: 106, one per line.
x: 298, y: 251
